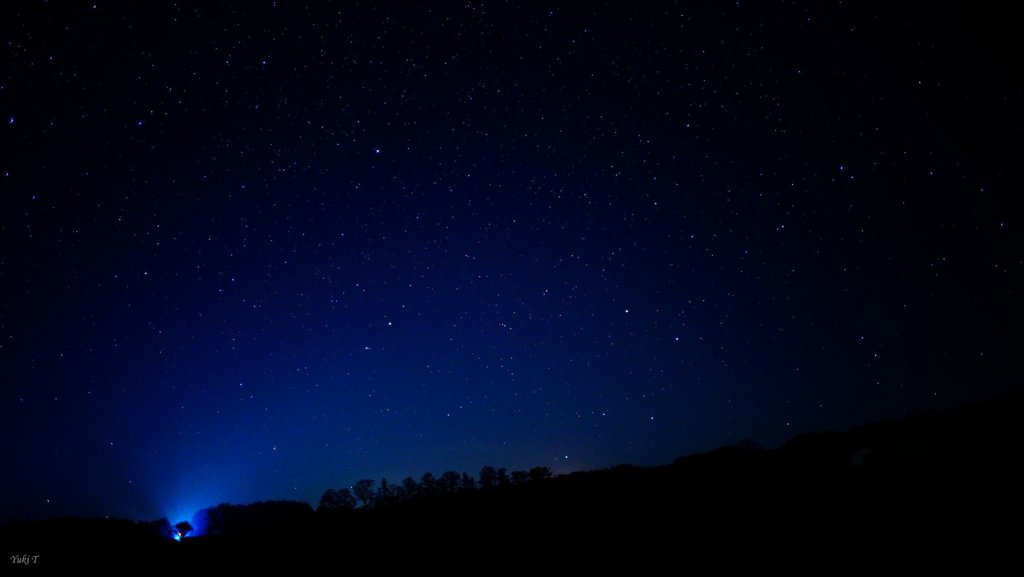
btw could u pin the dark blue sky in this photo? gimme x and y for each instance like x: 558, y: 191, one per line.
x: 255, y: 252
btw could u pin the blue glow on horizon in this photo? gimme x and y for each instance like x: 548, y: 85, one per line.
x: 197, y: 520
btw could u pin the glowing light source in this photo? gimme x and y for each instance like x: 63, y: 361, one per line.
x: 181, y: 530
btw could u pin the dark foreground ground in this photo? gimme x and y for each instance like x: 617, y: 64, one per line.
x: 927, y: 491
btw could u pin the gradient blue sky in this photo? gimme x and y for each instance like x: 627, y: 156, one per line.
x: 256, y: 251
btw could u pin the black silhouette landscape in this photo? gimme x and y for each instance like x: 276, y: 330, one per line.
x: 901, y: 488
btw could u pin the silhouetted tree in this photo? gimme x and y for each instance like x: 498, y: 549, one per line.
x: 519, y: 477
x: 449, y: 482
x: 337, y: 500
x: 428, y: 485
x: 385, y: 493
x: 411, y: 487
x: 184, y: 529
x: 162, y: 527
x: 468, y: 483
x: 363, y: 491
x: 503, y: 480
x: 488, y: 477
x: 540, y: 473
x: 399, y: 494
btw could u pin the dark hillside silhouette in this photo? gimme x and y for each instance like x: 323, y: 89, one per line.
x: 929, y: 482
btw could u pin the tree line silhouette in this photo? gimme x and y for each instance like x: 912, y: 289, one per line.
x: 947, y: 479
x: 369, y: 494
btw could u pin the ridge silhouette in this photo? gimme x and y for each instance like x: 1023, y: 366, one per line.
x: 928, y: 483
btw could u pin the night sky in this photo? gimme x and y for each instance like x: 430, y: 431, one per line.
x: 255, y: 252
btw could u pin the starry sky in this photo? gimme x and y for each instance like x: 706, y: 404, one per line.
x: 258, y: 250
